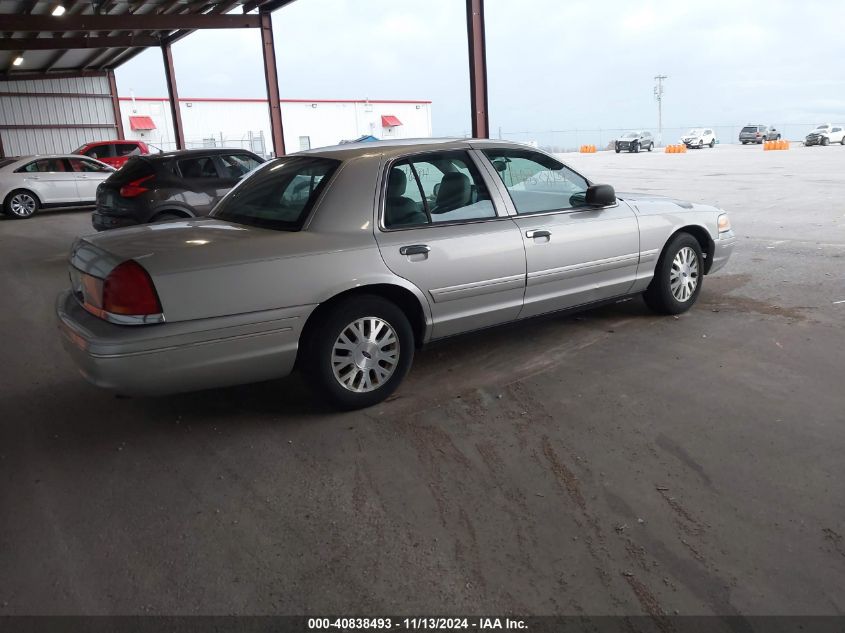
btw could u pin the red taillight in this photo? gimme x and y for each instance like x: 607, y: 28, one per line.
x: 135, y: 188
x: 129, y: 290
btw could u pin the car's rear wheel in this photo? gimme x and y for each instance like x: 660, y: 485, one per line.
x: 843, y: 140
x: 677, y: 276
x: 359, y: 351
x: 21, y: 204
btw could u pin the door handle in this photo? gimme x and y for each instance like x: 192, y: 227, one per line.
x: 415, y: 249
x: 538, y: 233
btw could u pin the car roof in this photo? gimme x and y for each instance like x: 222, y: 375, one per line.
x: 396, y: 147
x: 183, y: 153
x: 114, y: 141
x: 43, y: 156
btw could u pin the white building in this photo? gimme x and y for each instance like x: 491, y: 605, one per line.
x: 246, y: 122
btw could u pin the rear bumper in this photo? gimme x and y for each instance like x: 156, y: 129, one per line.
x: 102, y: 222
x: 185, y: 356
x: 722, y: 251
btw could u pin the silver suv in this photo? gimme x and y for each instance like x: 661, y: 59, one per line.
x: 758, y: 134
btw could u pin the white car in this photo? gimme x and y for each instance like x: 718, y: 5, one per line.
x: 699, y: 137
x: 30, y: 183
x: 825, y: 134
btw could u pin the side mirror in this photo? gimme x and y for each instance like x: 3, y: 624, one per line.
x: 600, y: 196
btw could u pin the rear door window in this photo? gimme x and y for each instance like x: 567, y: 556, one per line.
x: 127, y: 149
x: 448, y: 189
x: 84, y: 165
x: 236, y: 165
x: 46, y: 165
x: 101, y: 151
x: 201, y: 167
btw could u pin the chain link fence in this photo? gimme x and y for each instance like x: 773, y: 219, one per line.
x: 252, y: 141
x: 570, y: 140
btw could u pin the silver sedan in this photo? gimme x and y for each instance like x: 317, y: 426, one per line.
x: 342, y: 261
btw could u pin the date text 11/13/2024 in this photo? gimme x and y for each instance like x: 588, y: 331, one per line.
x: 415, y: 624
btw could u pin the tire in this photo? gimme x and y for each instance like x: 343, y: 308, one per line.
x: 635, y: 148
x: 650, y: 146
x: 842, y: 142
x: 681, y: 260
x: 21, y: 204
x: 340, y: 329
x: 825, y: 141
x: 167, y: 217
x: 712, y: 143
x: 617, y: 150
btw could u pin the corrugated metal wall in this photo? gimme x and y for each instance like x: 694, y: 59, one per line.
x: 39, y: 119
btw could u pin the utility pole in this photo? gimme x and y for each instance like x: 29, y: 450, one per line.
x: 658, y: 95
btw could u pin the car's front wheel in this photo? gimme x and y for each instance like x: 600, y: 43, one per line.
x: 677, y: 276
x: 359, y: 351
x: 825, y: 140
x: 21, y: 204
x: 635, y: 148
x: 712, y: 143
x: 650, y: 146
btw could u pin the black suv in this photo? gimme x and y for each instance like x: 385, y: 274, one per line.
x: 634, y: 142
x: 169, y: 186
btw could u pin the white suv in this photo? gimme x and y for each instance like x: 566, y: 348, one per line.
x: 699, y: 137
x: 825, y: 134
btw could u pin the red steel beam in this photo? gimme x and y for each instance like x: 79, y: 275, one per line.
x: 128, y: 21
x: 115, y: 105
x: 173, y: 94
x: 272, y: 80
x: 62, y: 43
x: 477, y: 69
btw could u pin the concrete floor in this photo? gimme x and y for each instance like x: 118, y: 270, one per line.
x: 612, y: 462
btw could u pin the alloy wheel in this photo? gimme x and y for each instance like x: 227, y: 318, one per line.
x: 22, y: 205
x: 365, y: 354
x: 683, y: 279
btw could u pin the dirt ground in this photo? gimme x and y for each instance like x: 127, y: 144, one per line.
x: 613, y: 462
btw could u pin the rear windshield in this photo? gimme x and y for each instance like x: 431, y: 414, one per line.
x: 279, y: 194
x: 750, y: 129
x: 134, y: 168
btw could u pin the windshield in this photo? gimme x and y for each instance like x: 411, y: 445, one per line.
x: 277, y: 195
x: 696, y: 131
x: 631, y: 135
x: 822, y: 127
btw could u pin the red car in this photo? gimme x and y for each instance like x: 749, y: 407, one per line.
x: 114, y: 153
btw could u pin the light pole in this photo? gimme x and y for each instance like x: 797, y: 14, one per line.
x: 658, y: 95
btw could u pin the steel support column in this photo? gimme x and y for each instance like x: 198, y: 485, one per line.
x: 173, y: 94
x: 115, y: 104
x: 272, y: 80
x: 477, y: 69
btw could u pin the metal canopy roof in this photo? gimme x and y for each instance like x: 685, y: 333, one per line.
x: 97, y: 35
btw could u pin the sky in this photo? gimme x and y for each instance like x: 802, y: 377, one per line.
x: 552, y: 64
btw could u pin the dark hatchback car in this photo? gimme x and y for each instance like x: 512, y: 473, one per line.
x: 169, y: 186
